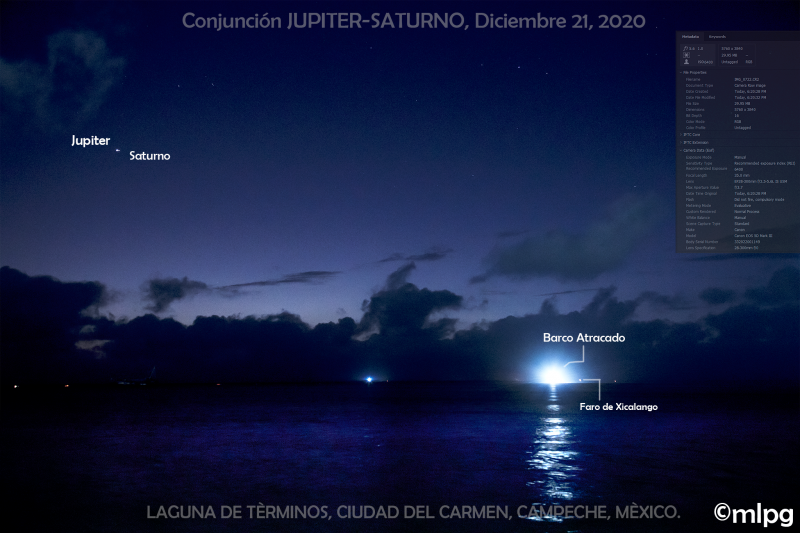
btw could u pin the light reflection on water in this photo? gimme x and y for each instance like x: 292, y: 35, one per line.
x: 552, y: 461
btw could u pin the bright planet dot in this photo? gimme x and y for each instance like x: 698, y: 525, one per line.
x: 369, y: 380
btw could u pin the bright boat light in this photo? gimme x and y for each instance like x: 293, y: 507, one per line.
x: 553, y: 375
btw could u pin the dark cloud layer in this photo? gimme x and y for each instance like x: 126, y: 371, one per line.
x: 663, y: 301
x: 717, y: 296
x: 47, y: 336
x: 312, y: 276
x: 603, y: 246
x: 567, y: 292
x: 783, y: 287
x: 79, y: 74
x: 402, y: 308
x: 434, y: 254
x: 41, y: 318
x: 162, y: 292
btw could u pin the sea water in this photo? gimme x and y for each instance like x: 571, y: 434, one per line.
x: 394, y: 457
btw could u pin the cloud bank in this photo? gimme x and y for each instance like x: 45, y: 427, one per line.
x: 48, y: 336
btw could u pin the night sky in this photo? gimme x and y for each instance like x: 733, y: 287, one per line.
x: 404, y: 203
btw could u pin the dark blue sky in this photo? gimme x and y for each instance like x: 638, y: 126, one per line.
x: 308, y: 165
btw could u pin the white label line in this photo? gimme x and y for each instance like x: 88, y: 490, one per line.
x: 583, y: 357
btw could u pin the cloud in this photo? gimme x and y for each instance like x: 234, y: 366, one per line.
x: 664, y: 302
x: 79, y: 74
x: 312, y: 276
x: 46, y: 337
x: 42, y: 318
x: 48, y: 299
x: 162, y: 292
x: 603, y: 246
x: 783, y: 287
x: 567, y: 292
x: 95, y: 346
x: 399, y: 277
x: 717, y: 296
x: 434, y: 254
x: 403, y: 308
